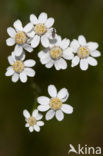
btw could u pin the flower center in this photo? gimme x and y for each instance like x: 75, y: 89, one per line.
x: 56, y: 52
x: 83, y: 52
x: 20, y: 37
x: 40, y: 29
x: 32, y: 121
x: 18, y: 66
x: 55, y: 103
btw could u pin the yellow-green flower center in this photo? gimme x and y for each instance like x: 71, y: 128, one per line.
x: 40, y: 29
x: 20, y: 37
x: 32, y: 121
x: 56, y: 52
x: 18, y: 66
x: 55, y: 103
x: 83, y: 52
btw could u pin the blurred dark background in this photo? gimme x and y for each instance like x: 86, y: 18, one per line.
x: 85, y: 125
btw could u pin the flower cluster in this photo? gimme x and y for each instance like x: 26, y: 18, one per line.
x: 26, y: 39
x: 55, y: 106
x: 57, y: 52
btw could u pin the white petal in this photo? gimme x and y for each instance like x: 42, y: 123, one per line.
x: 31, y: 129
x: 29, y: 72
x: 41, y: 54
x: 92, y: 61
x: 23, y: 77
x: 9, y: 72
x: 43, y: 100
x: 10, y: 41
x: 82, y: 40
x: 40, y: 123
x: 52, y: 90
x: 75, y: 61
x: 43, y: 108
x: 15, y: 77
x: 63, y: 94
x: 92, y: 45
x: 26, y: 114
x: 39, y: 116
x: 60, y: 64
x: 13, y: 57
x: 67, y: 108
x: 18, y: 25
x: 18, y: 50
x: 33, y: 19
x: 35, y: 113
x: 21, y: 57
x: 42, y: 17
x: 50, y: 35
x: 75, y: 45
x: 63, y: 63
x: 59, y: 115
x: 50, y: 22
x: 35, y: 42
x: 28, y: 48
x: 50, y: 114
x: 65, y: 43
x: 11, y: 60
x: 49, y: 64
x: 37, y: 128
x: 57, y: 65
x: 45, y: 59
x: 31, y: 34
x: 95, y: 53
x: 26, y: 125
x: 84, y: 64
x: 11, y: 32
x: 58, y: 40
x: 9, y: 67
x: 28, y: 27
x: 29, y: 63
x: 44, y: 41
x: 68, y: 54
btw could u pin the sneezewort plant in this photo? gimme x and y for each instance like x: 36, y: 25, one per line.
x: 56, y: 52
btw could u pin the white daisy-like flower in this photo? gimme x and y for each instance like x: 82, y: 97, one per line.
x: 42, y: 28
x: 20, y: 68
x: 84, y: 53
x: 56, y: 54
x: 20, y: 36
x: 55, y: 104
x: 33, y: 122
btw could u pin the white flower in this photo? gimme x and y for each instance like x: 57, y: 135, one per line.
x: 42, y: 28
x: 20, y: 37
x: 33, y: 121
x: 20, y: 68
x: 84, y: 53
x: 55, y: 103
x: 56, y: 54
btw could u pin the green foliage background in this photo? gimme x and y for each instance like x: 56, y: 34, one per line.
x: 85, y: 125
